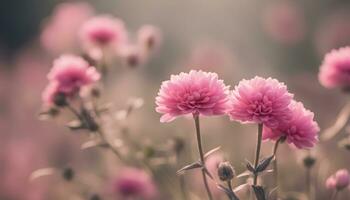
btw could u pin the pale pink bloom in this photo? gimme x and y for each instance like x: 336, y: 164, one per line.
x: 135, y: 183
x: 196, y: 92
x: 301, y: 130
x: 149, y: 37
x: 331, y: 183
x: 339, y: 180
x: 335, y: 69
x: 260, y: 100
x: 69, y: 73
x: 102, y: 32
x: 60, y: 32
x: 132, y: 55
x: 284, y: 22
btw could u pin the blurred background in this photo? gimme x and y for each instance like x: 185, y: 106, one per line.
x: 284, y: 39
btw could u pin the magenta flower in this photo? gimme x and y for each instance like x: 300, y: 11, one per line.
x: 339, y: 181
x: 196, y: 92
x: 335, y: 69
x: 260, y: 100
x: 301, y: 130
x: 135, y: 183
x: 70, y: 74
x: 103, y: 31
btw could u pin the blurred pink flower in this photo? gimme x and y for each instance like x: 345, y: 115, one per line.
x: 339, y: 180
x: 284, y: 22
x: 149, y: 37
x: 135, y: 183
x: 68, y: 74
x: 103, y: 31
x: 60, y: 32
x: 301, y: 130
x: 260, y: 100
x: 196, y: 92
x: 132, y: 55
x: 335, y: 69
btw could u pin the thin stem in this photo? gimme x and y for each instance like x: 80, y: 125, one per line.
x: 201, y: 154
x: 308, y: 182
x: 257, y: 153
x: 275, y: 163
x: 229, y: 184
x: 334, y: 195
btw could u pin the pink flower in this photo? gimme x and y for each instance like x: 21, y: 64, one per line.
x: 260, y: 100
x: 335, y: 69
x: 135, y: 183
x: 301, y: 130
x: 149, y: 37
x: 339, y: 180
x: 103, y: 31
x: 60, y: 33
x: 70, y: 74
x: 196, y: 92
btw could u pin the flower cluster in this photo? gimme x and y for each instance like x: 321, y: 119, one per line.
x: 67, y: 77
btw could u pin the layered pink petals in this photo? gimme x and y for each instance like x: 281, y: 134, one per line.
x: 335, y: 69
x: 103, y: 31
x: 260, y: 100
x: 196, y: 92
x: 301, y: 130
x: 68, y: 74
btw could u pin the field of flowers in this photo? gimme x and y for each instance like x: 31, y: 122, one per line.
x: 175, y: 100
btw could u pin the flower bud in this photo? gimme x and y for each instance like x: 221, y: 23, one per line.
x: 60, y: 100
x: 226, y: 171
x: 309, y: 161
x: 68, y: 174
x: 343, y: 179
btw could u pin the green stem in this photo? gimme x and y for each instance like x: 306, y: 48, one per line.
x: 257, y: 153
x: 201, y: 154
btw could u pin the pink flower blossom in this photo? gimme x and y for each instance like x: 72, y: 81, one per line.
x: 260, y: 100
x: 135, y: 183
x: 335, y: 69
x: 301, y: 130
x: 60, y: 32
x: 339, y: 180
x: 196, y: 92
x: 69, y: 73
x: 103, y: 31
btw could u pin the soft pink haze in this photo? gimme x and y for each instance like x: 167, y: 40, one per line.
x: 196, y: 92
x: 260, y: 100
x: 301, y: 130
x: 335, y: 69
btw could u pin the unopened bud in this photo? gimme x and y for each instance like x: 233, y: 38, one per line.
x: 309, y: 161
x: 226, y: 171
x: 68, y: 174
x: 60, y: 100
